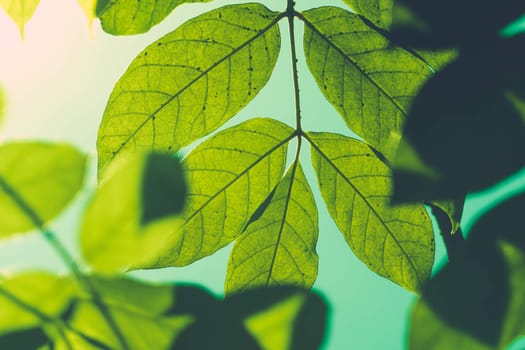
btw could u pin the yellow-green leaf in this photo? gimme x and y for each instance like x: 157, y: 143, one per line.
x: 20, y: 11
x: 167, y: 99
x: 369, y: 82
x: 229, y: 176
x: 377, y: 11
x: 279, y: 247
x: 37, y: 180
x: 396, y: 242
x: 133, y: 212
x: 88, y: 6
x: 2, y: 105
x: 47, y: 294
x: 126, y: 17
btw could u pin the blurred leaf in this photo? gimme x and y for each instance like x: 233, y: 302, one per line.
x: 126, y: 17
x: 166, y: 99
x: 437, y: 25
x: 37, y: 181
x: 132, y: 213
x: 279, y: 247
x: 20, y: 11
x: 229, y: 176
x: 89, y: 7
x: 48, y: 294
x: 454, y: 210
x: 478, y: 300
x: 27, y: 339
x: 377, y: 11
x: 2, y: 105
x: 463, y: 128
x: 395, y: 242
x: 369, y: 82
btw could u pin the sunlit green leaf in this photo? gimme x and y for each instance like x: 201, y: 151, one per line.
x: 167, y: 99
x: 20, y: 11
x: 48, y: 294
x: 37, y: 180
x: 377, y: 11
x: 125, y: 17
x: 279, y: 247
x: 133, y: 212
x: 478, y: 300
x: 396, y: 242
x: 368, y: 81
x: 229, y: 176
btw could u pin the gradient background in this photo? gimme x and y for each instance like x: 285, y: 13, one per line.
x: 57, y: 82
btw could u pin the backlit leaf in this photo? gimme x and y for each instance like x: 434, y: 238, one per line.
x: 368, y: 81
x: 37, y: 180
x: 279, y: 247
x: 20, y: 11
x: 88, y: 6
x: 48, y: 294
x: 125, y: 17
x: 454, y: 210
x: 377, y: 11
x: 229, y: 176
x: 166, y: 99
x: 132, y: 212
x: 396, y: 242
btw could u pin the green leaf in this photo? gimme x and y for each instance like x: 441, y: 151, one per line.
x: 20, y: 11
x: 279, y: 247
x: 377, y: 11
x: 89, y: 7
x: 368, y: 81
x: 133, y: 212
x: 396, y: 242
x: 37, y: 180
x: 454, y: 210
x: 126, y: 17
x: 48, y: 294
x: 229, y: 176
x: 166, y: 99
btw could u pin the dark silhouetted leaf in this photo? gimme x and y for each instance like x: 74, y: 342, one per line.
x: 369, y: 82
x: 477, y: 301
x: 166, y: 99
x: 396, y: 242
x: 37, y: 181
x: 279, y: 247
x: 27, y: 339
x: 464, y: 133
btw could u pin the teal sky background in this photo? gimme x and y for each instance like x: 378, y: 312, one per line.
x: 57, y: 83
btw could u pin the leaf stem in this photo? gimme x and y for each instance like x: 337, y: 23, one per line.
x: 66, y: 258
x: 290, y: 13
x: 60, y: 326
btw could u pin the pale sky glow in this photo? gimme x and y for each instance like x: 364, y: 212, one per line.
x: 56, y: 84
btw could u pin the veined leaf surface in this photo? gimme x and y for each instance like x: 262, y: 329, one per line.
x: 279, y: 247
x: 37, y: 181
x: 20, y: 11
x: 396, y: 242
x: 125, y: 17
x: 166, y: 99
x: 369, y: 82
x: 229, y: 176
x: 377, y: 11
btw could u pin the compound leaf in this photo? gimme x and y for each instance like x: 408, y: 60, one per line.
x: 20, y: 11
x: 132, y: 212
x: 37, y: 180
x: 166, y: 99
x: 279, y: 247
x: 229, y: 176
x: 369, y: 82
x: 396, y: 242
x: 126, y: 17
